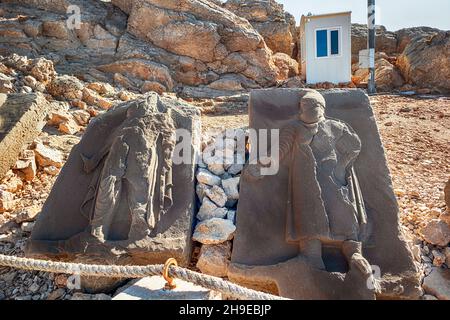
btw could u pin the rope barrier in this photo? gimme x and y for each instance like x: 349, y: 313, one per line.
x: 170, y: 270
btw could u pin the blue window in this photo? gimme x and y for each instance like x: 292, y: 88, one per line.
x: 334, y: 35
x: 322, y: 43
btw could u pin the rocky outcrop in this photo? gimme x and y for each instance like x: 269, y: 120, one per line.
x: 425, y: 62
x: 386, y: 41
x: 405, y: 36
x: 270, y: 20
x: 141, y: 45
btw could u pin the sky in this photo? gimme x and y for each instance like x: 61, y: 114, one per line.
x: 393, y: 14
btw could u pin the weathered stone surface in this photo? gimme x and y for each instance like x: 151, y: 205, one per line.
x: 22, y: 117
x: 28, y: 214
x: 6, y: 201
x: 152, y: 288
x: 425, y: 62
x: 215, y: 259
x: 217, y: 195
x: 386, y: 41
x: 206, y: 177
x: 437, y: 232
x: 66, y: 88
x: 405, y: 36
x: 121, y: 152
x: 26, y: 166
x: 438, y: 283
x: 271, y: 21
x: 210, y: 210
x: 214, y: 231
x: 275, y: 260
x: 231, y: 187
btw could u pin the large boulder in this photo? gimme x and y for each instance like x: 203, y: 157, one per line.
x: 387, y: 76
x: 405, y: 36
x: 386, y: 41
x: 270, y: 20
x: 425, y: 62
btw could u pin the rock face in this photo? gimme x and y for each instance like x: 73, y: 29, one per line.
x: 386, y: 41
x: 127, y: 191
x: 270, y: 20
x: 22, y: 117
x: 387, y: 76
x: 425, y: 62
x: 438, y: 283
x: 151, y: 44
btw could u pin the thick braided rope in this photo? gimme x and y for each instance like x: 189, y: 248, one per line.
x: 114, y: 271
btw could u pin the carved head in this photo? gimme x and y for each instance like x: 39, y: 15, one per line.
x: 312, y: 108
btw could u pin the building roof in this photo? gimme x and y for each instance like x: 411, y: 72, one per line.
x: 325, y: 15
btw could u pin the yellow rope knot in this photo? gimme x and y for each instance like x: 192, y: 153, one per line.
x: 170, y: 285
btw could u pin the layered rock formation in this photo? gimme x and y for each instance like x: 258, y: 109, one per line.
x: 270, y: 20
x: 425, y: 61
x: 142, y: 45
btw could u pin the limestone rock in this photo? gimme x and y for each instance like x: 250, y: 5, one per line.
x: 26, y: 165
x: 231, y: 187
x: 405, y: 36
x: 287, y: 66
x: 66, y: 88
x: 6, y: 201
x: 200, y: 190
x: 436, y: 232
x: 217, y: 195
x: 209, y: 210
x: 48, y: 157
x: 214, y: 231
x: 206, y: 177
x: 215, y: 259
x: 152, y: 288
x: 271, y: 21
x: 386, y: 41
x: 231, y: 215
x: 28, y: 214
x: 438, y: 283
x: 81, y: 117
x: 425, y: 62
x: 94, y: 99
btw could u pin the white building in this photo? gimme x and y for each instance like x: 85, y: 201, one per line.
x: 326, y: 48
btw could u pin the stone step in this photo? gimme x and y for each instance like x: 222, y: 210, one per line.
x: 152, y: 288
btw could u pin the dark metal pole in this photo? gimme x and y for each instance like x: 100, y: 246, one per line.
x: 371, y: 44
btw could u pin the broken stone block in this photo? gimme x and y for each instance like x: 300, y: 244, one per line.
x: 66, y: 88
x: 206, y: 177
x: 46, y: 157
x: 93, y: 99
x: 22, y: 117
x: 217, y: 195
x: 214, y: 231
x: 69, y: 127
x: 231, y: 187
x: 152, y: 288
x: 114, y: 213
x: 215, y: 259
x: 437, y: 283
x: 6, y: 201
x: 81, y: 117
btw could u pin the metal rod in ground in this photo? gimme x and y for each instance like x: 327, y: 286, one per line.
x: 371, y: 45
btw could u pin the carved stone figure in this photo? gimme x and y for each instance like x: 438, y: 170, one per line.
x: 316, y: 225
x: 120, y: 198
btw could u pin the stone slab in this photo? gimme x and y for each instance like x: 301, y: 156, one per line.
x: 152, y: 288
x: 22, y: 117
x: 385, y: 248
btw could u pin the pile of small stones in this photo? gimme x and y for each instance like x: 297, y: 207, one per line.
x: 220, y: 165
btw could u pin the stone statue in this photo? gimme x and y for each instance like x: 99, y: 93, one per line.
x: 324, y: 150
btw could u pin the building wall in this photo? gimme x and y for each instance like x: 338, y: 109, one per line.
x: 335, y: 69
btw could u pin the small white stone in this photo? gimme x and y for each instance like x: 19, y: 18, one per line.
x: 209, y: 210
x: 217, y: 195
x: 231, y: 188
x: 200, y: 189
x: 214, y: 231
x: 206, y: 177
